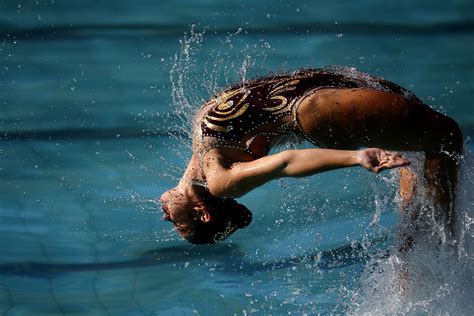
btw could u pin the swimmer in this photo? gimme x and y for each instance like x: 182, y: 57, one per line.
x: 347, y: 115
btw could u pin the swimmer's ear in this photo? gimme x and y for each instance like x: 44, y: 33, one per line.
x: 204, y: 215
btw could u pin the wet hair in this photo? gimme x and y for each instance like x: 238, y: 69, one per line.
x: 227, y: 215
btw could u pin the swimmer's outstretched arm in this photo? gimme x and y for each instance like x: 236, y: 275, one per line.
x: 242, y: 177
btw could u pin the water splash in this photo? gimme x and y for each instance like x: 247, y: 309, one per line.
x: 182, y: 77
x: 200, y: 71
x: 435, y: 276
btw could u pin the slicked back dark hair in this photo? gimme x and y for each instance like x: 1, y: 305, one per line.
x: 227, y: 215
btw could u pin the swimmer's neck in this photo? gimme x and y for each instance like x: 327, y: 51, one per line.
x: 191, y: 185
x: 192, y: 176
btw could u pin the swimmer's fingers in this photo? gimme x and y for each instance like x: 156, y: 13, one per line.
x: 386, y: 156
x: 391, y: 160
x: 373, y: 158
x: 393, y: 154
x: 376, y: 159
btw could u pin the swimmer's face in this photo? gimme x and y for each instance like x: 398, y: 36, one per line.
x: 178, y: 210
x: 201, y: 218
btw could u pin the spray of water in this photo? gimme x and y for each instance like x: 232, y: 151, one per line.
x: 436, y: 275
x: 200, y: 71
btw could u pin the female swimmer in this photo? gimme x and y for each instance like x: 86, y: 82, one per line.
x: 337, y: 110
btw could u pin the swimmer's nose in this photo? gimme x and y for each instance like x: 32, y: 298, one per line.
x: 166, y: 216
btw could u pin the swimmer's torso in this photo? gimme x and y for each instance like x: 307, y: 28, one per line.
x: 254, y: 116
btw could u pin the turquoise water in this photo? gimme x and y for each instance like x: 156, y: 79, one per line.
x: 94, y: 101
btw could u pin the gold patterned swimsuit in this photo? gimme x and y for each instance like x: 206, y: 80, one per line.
x: 268, y: 106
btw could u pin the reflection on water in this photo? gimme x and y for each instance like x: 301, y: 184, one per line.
x: 226, y: 258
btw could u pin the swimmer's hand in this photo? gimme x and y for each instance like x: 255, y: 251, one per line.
x: 376, y: 159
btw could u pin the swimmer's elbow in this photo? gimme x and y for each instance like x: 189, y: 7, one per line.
x: 215, y: 189
x: 222, y: 187
x: 246, y: 176
x: 224, y: 192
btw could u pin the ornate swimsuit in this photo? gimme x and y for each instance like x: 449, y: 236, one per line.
x: 268, y: 106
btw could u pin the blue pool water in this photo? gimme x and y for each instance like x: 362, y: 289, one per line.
x: 95, y: 101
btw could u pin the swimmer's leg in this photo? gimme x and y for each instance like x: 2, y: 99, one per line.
x: 428, y: 199
x: 441, y: 174
x: 441, y: 167
x: 408, y: 186
x: 408, y: 192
